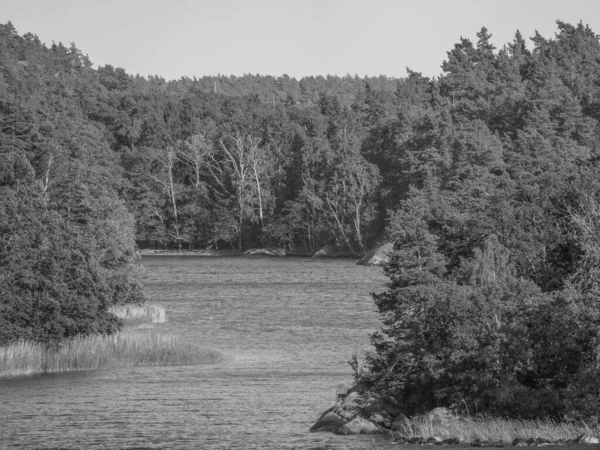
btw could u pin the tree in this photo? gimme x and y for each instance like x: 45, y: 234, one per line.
x: 239, y: 168
x: 162, y: 170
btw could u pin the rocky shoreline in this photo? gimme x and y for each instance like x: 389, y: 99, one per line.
x: 378, y: 256
x: 359, y: 413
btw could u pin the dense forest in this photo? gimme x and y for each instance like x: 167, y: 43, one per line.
x: 486, y: 179
x: 494, y: 297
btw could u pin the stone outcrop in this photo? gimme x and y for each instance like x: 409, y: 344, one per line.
x: 377, y: 256
x: 358, y: 425
x: 587, y: 439
x: 325, y: 252
x: 356, y: 413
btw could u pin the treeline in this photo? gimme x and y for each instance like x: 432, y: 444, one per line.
x: 284, y: 165
x: 493, y: 304
x: 212, y: 162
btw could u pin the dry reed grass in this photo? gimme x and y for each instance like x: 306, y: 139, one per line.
x: 492, y: 429
x: 124, y: 349
x: 138, y: 314
x: 127, y: 348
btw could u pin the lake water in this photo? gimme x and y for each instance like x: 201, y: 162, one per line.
x: 286, y: 328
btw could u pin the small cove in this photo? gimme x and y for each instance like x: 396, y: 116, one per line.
x: 286, y: 326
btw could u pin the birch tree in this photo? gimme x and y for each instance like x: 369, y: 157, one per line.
x: 239, y: 168
x: 162, y: 172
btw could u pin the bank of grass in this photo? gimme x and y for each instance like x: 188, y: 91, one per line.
x: 493, y: 429
x: 138, y: 314
x: 128, y: 348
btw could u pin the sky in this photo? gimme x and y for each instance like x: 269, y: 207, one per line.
x: 176, y: 38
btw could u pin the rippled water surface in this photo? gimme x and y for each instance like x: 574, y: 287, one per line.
x: 287, y: 327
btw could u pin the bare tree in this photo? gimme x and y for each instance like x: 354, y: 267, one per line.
x: 163, y: 161
x: 195, y: 153
x: 238, y: 167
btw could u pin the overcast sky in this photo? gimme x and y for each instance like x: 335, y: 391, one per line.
x: 175, y: 38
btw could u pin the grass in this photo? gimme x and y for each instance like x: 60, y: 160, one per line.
x: 138, y: 314
x: 128, y: 348
x: 493, y: 429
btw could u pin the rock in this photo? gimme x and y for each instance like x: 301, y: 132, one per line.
x: 358, y: 425
x: 587, y: 439
x: 451, y: 441
x: 399, y: 424
x: 329, y: 421
x: 439, y: 416
x: 264, y: 252
x: 382, y: 419
x: 325, y: 252
x: 433, y: 440
x: 519, y: 443
x: 356, y: 413
x: 377, y: 256
x: 372, y: 405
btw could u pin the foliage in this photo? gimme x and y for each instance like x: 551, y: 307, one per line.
x: 67, y: 249
x: 492, y: 304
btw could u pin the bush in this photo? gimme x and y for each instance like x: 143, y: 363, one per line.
x: 63, y: 265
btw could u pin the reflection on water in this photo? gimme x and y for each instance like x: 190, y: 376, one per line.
x: 287, y: 328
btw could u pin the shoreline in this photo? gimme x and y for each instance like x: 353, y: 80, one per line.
x: 361, y: 413
x: 272, y: 253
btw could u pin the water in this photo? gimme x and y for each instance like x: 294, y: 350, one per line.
x: 286, y: 326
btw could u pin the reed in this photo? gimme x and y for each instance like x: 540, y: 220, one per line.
x: 124, y: 349
x: 21, y: 358
x: 138, y: 314
x: 493, y: 429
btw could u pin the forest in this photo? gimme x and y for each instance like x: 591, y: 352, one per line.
x: 486, y: 179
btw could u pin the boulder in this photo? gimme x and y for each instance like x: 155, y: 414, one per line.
x: 358, y: 413
x: 587, y: 439
x: 440, y: 415
x: 358, y: 425
x: 387, y: 405
x: 325, y: 252
x: 381, y: 419
x: 377, y: 256
x: 329, y: 421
